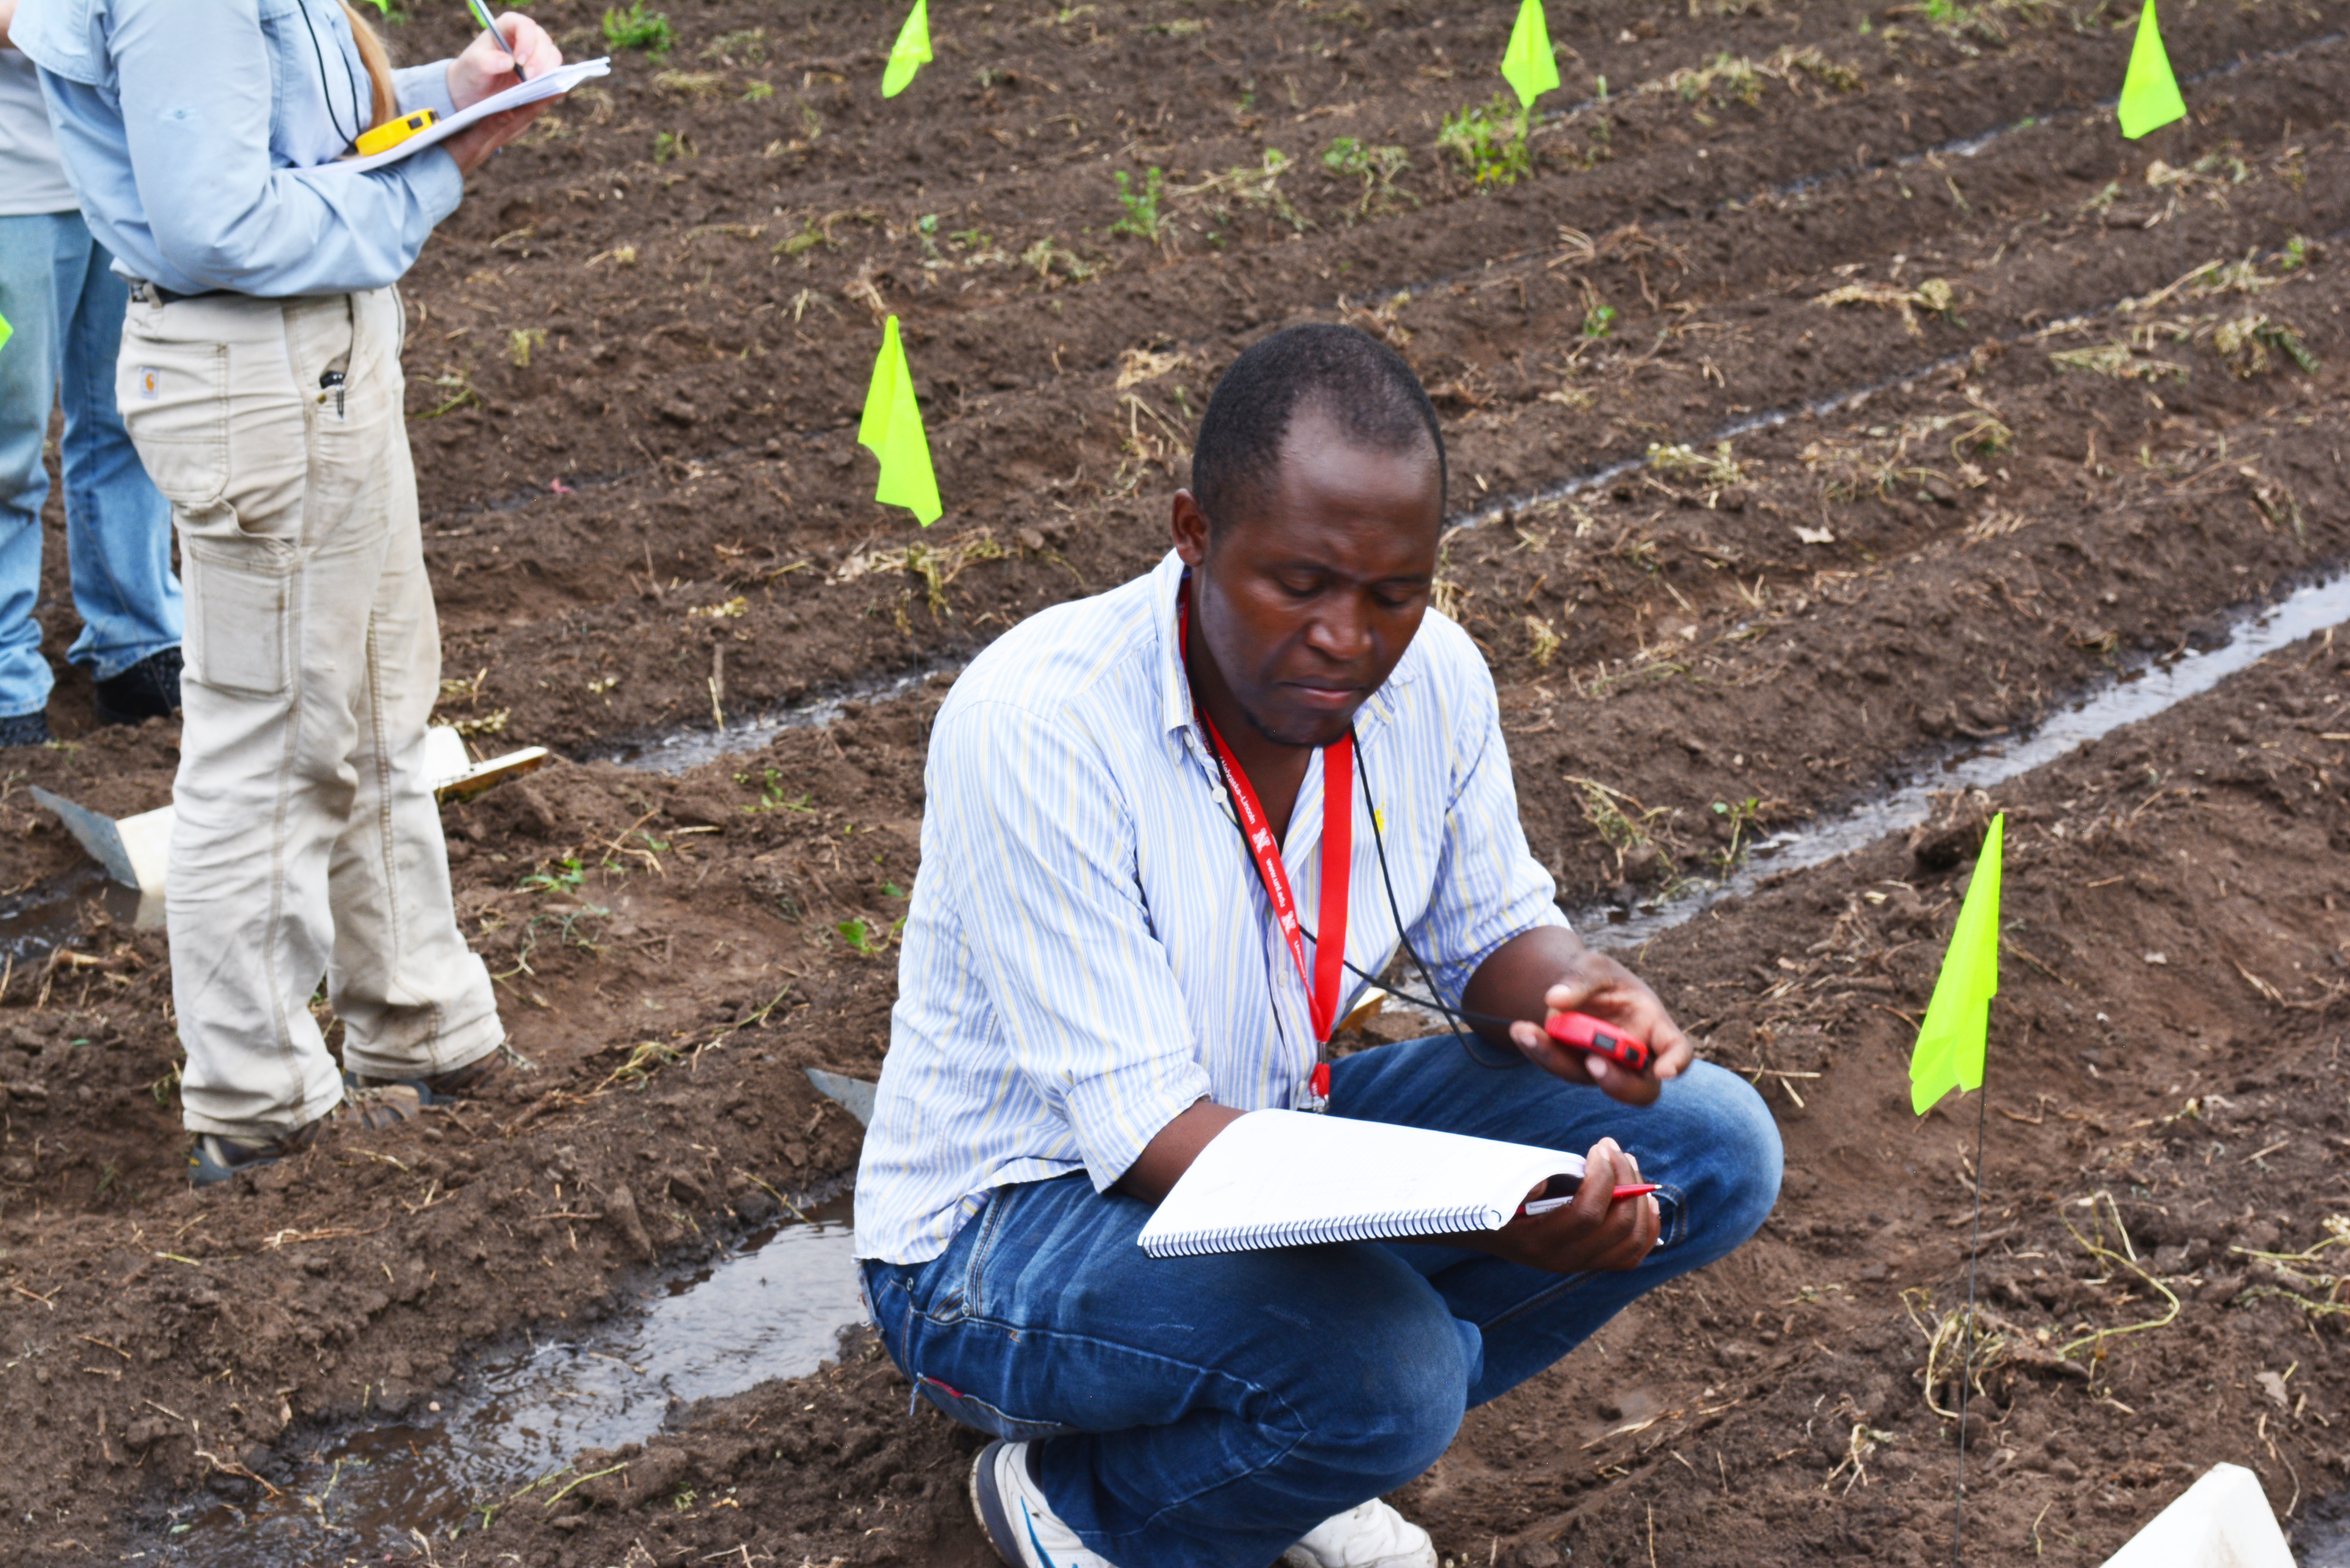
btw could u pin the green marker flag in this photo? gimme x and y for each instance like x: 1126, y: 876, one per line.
x: 1949, y: 1051
x: 2150, y: 97
x: 910, y: 53
x: 892, y: 427
x: 1528, y: 63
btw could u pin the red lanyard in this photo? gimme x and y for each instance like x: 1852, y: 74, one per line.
x: 1324, y: 985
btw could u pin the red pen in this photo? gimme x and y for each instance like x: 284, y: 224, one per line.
x: 1544, y: 1205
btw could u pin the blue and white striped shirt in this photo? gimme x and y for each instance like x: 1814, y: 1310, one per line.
x: 1090, y: 949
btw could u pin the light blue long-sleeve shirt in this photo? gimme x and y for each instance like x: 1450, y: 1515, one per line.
x: 193, y: 132
x: 1090, y: 948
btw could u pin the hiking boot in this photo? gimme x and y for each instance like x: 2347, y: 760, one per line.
x: 24, y: 730
x: 147, y: 689
x: 217, y: 1156
x: 463, y: 1082
x: 1371, y: 1536
x: 1017, y: 1520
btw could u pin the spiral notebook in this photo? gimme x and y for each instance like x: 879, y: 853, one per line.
x: 1291, y: 1179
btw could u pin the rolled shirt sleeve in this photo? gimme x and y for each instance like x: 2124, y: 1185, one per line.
x: 1489, y: 887
x: 195, y: 88
x: 1042, y: 876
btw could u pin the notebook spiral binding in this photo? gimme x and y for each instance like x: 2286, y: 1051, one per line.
x: 1359, y: 1228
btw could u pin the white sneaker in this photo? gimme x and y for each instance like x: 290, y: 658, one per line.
x: 1371, y: 1536
x: 1019, y: 1524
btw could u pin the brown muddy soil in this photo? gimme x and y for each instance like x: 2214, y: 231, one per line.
x: 634, y: 357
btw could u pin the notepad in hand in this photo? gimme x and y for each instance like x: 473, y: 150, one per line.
x: 552, y: 84
x: 1290, y: 1179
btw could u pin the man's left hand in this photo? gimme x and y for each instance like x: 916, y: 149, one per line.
x: 1595, y: 985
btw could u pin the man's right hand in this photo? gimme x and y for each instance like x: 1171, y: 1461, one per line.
x: 1594, y: 1231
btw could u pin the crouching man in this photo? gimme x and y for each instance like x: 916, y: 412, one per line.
x: 1094, y: 984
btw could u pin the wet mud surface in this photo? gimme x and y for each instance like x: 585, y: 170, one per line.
x: 2008, y: 417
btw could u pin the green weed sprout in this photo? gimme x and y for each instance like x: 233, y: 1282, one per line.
x: 1490, y: 140
x: 1142, y: 218
x: 1375, y: 167
x: 638, y: 28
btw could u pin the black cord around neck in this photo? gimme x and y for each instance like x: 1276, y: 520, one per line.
x: 351, y: 139
x: 1453, y: 1013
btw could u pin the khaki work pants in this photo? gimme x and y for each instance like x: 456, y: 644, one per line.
x: 307, y: 841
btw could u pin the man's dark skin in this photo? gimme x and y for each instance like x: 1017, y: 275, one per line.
x: 1299, y: 611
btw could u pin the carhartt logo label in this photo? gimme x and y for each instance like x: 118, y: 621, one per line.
x: 148, y: 378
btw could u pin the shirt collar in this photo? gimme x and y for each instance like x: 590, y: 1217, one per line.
x: 1175, y: 682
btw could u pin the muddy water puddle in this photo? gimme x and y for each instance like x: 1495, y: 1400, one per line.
x: 681, y: 750
x: 772, y: 1307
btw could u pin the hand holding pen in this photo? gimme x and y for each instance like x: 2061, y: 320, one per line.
x: 482, y: 15
x: 523, y: 49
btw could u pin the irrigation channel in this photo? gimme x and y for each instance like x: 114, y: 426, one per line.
x: 774, y: 1306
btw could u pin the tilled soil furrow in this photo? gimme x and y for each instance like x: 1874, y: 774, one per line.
x: 662, y: 362
x: 786, y: 626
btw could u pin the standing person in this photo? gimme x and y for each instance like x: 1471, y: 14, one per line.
x: 1093, y: 985
x: 260, y: 379
x: 59, y: 291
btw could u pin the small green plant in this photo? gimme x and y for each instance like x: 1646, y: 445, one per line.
x: 858, y: 936
x: 1598, y: 317
x: 671, y: 146
x: 758, y: 92
x: 564, y: 876
x: 638, y: 28
x: 521, y: 341
x: 1142, y: 219
x: 1375, y: 167
x: 1490, y: 139
x: 772, y: 796
x: 1741, y: 816
x: 2296, y: 254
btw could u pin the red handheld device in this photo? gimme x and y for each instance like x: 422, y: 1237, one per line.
x: 1585, y: 1033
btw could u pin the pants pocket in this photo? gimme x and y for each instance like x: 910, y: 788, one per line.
x: 239, y: 612
x: 972, y: 1411
x: 174, y: 402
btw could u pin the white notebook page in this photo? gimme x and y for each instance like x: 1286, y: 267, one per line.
x: 1276, y: 1179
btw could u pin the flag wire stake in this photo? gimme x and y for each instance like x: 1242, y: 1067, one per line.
x: 1967, y: 1364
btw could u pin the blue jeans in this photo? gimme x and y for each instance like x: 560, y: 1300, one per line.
x: 1211, y: 1411
x: 59, y: 291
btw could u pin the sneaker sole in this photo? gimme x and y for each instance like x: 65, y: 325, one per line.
x: 987, y: 1504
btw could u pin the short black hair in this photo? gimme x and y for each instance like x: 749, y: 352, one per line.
x: 1344, y: 372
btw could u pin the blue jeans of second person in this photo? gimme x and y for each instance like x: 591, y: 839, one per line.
x: 58, y: 290
x: 1210, y: 1411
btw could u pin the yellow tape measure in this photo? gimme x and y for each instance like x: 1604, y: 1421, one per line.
x: 385, y: 137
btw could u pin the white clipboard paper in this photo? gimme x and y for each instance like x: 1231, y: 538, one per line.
x: 560, y: 81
